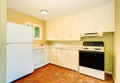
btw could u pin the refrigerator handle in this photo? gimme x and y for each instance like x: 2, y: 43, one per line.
x: 7, y: 43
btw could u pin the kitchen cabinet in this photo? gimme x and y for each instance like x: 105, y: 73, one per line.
x: 65, y: 58
x: 59, y: 29
x: 70, y: 27
x: 40, y: 57
x: 99, y: 19
x: 104, y: 18
x: 52, y: 56
x: 54, y: 29
x: 51, y: 30
x: 61, y: 57
x: 75, y: 29
x: 64, y: 29
x: 73, y: 60
x: 86, y: 21
x: 46, y: 54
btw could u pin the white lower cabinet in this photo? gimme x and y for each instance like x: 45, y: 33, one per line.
x: 67, y: 58
x: 40, y: 57
x: 52, y: 56
x: 61, y: 57
x: 64, y: 57
x: 46, y: 54
x: 73, y: 60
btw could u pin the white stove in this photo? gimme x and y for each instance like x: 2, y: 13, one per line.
x: 91, y: 59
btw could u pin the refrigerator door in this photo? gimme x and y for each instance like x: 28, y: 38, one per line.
x: 19, y: 61
x: 17, y: 33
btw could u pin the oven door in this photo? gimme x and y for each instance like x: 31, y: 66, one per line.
x: 91, y: 59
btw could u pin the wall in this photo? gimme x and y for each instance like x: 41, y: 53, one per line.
x: 108, y: 43
x: 117, y: 42
x: 3, y: 21
x: 18, y: 17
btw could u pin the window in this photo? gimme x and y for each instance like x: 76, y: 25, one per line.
x: 37, y: 30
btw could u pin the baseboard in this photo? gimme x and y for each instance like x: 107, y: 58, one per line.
x: 112, y: 76
x: 114, y: 79
x: 109, y: 72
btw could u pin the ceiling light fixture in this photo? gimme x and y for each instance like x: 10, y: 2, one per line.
x: 44, y: 12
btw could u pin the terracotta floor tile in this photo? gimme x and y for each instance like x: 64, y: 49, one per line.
x: 55, y: 74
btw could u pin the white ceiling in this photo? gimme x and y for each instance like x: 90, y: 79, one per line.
x: 56, y: 8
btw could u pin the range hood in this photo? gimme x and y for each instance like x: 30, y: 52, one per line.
x: 96, y: 34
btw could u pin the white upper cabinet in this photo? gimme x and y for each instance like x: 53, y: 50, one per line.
x: 59, y: 29
x: 54, y: 29
x: 51, y: 30
x: 75, y: 29
x: 104, y: 18
x: 86, y: 21
x: 70, y: 29
x: 67, y: 28
x: 99, y: 19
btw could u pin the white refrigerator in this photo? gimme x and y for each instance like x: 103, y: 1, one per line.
x: 19, y: 51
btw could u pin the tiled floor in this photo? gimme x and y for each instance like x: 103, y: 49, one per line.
x: 55, y: 74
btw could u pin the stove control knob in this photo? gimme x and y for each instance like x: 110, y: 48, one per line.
x: 97, y: 48
x: 85, y: 48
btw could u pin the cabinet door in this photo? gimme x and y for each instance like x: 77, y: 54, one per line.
x: 64, y: 54
x: 51, y: 30
x: 46, y: 54
x: 75, y: 29
x: 59, y: 29
x: 86, y: 21
x: 52, y: 56
x: 48, y: 30
x: 73, y: 60
x: 61, y: 57
x: 104, y: 18
x: 66, y: 28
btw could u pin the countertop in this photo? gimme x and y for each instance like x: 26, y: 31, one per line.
x: 72, y: 47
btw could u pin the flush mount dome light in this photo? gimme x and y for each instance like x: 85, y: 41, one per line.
x: 44, y: 12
